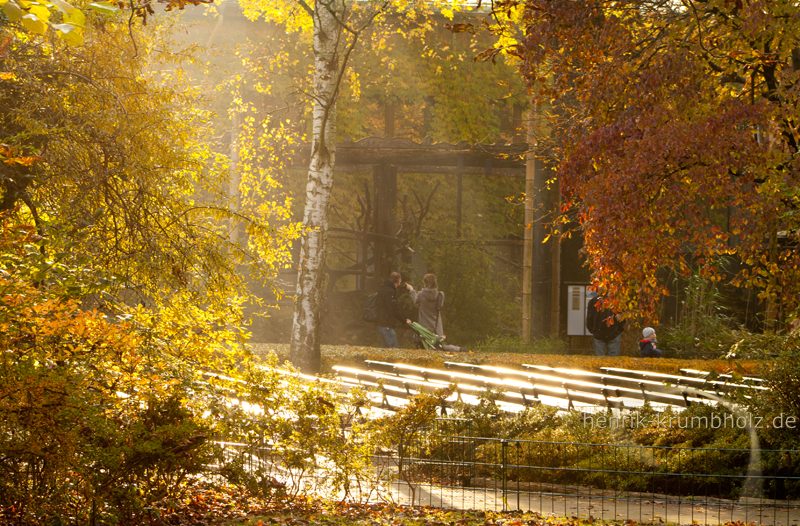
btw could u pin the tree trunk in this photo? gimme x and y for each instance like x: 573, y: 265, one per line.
x: 305, y: 350
x: 527, y: 244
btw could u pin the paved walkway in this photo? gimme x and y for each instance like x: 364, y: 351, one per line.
x: 582, y: 504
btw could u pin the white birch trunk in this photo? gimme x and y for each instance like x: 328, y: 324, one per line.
x: 305, y: 350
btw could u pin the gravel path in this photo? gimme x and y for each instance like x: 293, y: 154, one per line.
x: 582, y: 504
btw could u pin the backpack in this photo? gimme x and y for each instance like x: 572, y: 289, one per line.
x: 371, y: 309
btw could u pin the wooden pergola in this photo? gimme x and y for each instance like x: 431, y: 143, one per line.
x: 386, y: 157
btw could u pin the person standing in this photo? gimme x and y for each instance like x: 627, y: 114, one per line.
x: 389, y: 313
x: 606, y: 328
x: 430, y: 301
x: 647, y: 347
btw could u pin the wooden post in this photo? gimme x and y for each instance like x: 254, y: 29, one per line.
x: 385, y: 185
x: 540, y: 253
x: 555, y: 269
x: 458, y: 196
x: 388, y: 120
x: 527, y: 246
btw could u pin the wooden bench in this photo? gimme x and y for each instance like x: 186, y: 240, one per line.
x: 727, y: 378
x: 641, y: 389
x: 686, y: 381
x: 405, y: 386
x: 392, y: 384
x: 576, y: 381
x: 380, y: 403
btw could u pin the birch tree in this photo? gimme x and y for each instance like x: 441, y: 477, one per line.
x: 336, y: 27
x: 328, y: 70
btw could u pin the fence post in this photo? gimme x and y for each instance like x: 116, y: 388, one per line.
x: 504, y: 445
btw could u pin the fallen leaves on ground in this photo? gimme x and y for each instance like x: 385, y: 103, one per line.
x: 391, y: 515
x: 227, y: 506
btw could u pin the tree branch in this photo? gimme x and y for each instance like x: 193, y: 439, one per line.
x: 306, y: 7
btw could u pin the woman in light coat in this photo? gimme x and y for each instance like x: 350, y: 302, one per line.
x: 430, y: 300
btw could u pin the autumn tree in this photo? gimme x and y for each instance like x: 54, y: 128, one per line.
x: 67, y: 22
x: 426, y: 74
x: 681, y: 147
x: 118, y: 285
x: 107, y: 154
x: 335, y: 29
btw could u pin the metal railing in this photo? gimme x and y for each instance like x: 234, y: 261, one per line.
x: 603, y: 481
x: 447, y: 466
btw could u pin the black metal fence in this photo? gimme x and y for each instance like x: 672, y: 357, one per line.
x: 448, y: 467
x: 603, y: 481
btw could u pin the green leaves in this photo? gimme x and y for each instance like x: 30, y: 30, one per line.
x: 13, y: 11
x: 105, y: 8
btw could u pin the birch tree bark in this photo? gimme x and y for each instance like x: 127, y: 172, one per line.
x: 337, y: 27
x: 305, y: 350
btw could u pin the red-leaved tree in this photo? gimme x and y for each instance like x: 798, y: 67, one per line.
x: 677, y: 140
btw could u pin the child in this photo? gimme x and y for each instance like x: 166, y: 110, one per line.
x: 647, y: 347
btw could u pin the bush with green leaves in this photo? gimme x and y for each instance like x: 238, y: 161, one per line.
x: 709, y: 327
x: 645, y: 453
x: 106, y: 414
x: 782, y: 377
x: 705, y: 327
x: 286, y: 436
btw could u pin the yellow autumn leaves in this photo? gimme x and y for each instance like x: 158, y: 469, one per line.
x: 66, y: 20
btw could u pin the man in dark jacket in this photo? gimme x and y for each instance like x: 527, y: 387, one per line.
x: 606, y: 328
x: 389, y: 313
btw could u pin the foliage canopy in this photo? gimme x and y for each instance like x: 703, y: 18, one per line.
x: 677, y: 135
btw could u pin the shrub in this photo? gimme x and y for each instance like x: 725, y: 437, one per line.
x: 782, y: 377
x: 104, y: 416
x: 102, y: 413
x: 286, y: 436
x: 94, y: 416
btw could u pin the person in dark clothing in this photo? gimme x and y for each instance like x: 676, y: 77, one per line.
x: 606, y: 328
x: 647, y: 347
x: 389, y: 313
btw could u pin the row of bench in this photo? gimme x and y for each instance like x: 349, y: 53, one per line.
x: 566, y: 388
x: 390, y: 385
